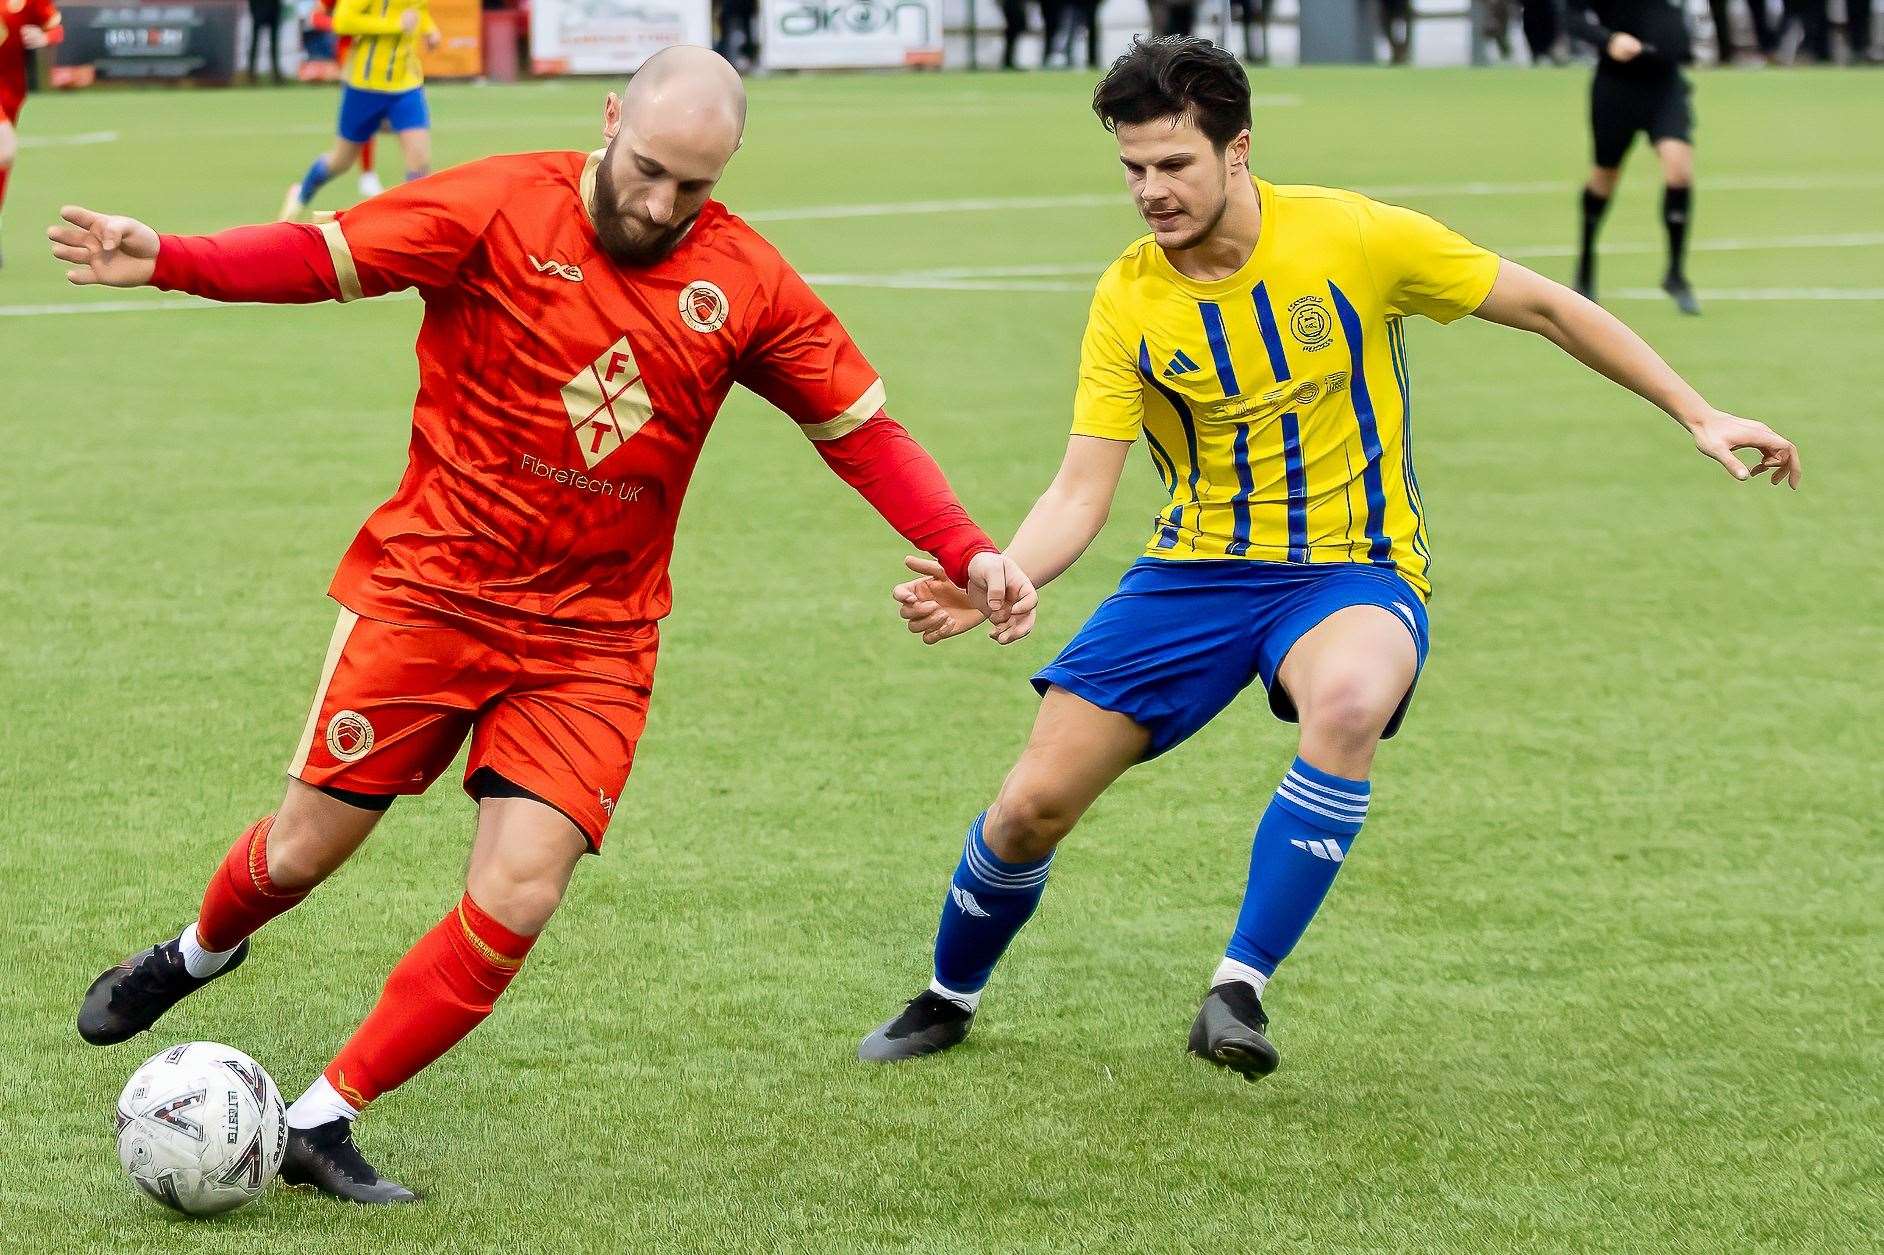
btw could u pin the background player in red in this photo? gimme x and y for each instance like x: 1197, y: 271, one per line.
x: 24, y: 26
x: 585, y: 317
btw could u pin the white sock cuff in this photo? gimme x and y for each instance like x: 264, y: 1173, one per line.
x: 1230, y: 970
x: 197, y: 961
x: 967, y: 1002
x: 321, y: 1104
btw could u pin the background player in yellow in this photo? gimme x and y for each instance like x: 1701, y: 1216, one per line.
x: 382, y: 84
x: 1255, y: 340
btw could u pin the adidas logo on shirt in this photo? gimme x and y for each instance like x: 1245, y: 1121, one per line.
x: 1321, y: 849
x: 1180, y: 364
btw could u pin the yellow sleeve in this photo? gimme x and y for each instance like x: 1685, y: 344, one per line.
x: 1110, y: 401
x: 351, y: 18
x: 1425, y: 267
x: 426, y: 25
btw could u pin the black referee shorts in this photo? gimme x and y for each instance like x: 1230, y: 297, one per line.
x: 1659, y: 106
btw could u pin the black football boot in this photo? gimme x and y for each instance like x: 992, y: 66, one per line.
x: 325, y: 1158
x: 927, y: 1024
x: 1229, y: 1030
x: 127, y: 999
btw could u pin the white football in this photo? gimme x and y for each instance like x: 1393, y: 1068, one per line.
x: 201, y: 1128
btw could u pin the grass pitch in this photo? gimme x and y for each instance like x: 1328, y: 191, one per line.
x: 1604, y: 974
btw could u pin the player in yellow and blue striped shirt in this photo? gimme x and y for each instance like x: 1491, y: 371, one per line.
x: 1256, y: 340
x: 384, y: 85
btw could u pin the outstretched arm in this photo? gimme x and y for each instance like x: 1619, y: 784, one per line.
x: 896, y: 475
x: 1523, y: 299
x: 1051, y: 538
x: 283, y: 263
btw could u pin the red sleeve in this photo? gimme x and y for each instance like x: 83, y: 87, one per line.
x: 802, y: 360
x: 283, y: 263
x: 418, y: 234
x: 46, y: 17
x: 897, y: 476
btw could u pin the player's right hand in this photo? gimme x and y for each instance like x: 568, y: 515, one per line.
x: 111, y: 249
x: 1624, y: 47
x: 932, y: 606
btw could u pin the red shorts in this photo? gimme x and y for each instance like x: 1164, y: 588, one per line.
x: 10, y: 103
x: 397, y: 700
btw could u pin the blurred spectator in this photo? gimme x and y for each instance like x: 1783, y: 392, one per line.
x: 1814, y: 19
x: 1543, y: 25
x: 1173, y: 17
x: 265, y: 18
x: 1396, y: 21
x: 1765, y: 34
x: 1254, y: 14
x: 1498, y: 26
x: 1078, y: 16
x: 1013, y: 26
x: 1052, y: 32
x: 736, y: 42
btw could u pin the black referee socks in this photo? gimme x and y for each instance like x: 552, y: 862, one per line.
x: 1675, y: 206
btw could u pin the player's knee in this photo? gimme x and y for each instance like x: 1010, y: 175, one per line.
x: 298, y: 856
x: 523, y: 904
x: 1351, y: 710
x: 1027, y: 821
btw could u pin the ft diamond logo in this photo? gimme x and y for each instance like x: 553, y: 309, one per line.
x: 607, y: 402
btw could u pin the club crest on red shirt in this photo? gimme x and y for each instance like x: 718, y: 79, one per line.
x: 703, y: 306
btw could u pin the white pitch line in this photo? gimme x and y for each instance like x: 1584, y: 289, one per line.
x: 1079, y: 277
x: 1855, y: 239
x: 68, y: 141
x: 1758, y: 294
x: 1097, y: 200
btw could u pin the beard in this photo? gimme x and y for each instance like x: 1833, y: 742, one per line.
x: 1202, y: 233
x: 625, y: 237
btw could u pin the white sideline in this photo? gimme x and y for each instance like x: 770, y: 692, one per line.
x: 1093, y: 200
x: 68, y: 141
x: 1056, y: 277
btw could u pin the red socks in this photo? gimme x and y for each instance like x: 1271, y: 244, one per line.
x: 240, y: 897
x: 4, y: 171
x: 440, y: 991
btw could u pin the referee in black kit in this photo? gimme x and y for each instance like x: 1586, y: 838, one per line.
x: 1639, y: 87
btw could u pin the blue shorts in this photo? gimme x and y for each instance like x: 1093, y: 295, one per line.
x: 362, y: 111
x: 1180, y: 639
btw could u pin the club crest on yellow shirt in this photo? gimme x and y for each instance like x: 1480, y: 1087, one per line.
x: 1310, y: 323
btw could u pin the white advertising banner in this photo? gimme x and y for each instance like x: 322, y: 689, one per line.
x: 857, y: 34
x: 611, y: 36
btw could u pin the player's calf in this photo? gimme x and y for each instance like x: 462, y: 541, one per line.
x: 989, y: 900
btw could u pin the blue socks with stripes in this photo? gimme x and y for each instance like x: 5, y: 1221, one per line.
x: 987, y: 903
x: 315, y: 179
x: 1299, y: 846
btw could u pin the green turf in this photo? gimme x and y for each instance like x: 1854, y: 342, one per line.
x: 1604, y: 974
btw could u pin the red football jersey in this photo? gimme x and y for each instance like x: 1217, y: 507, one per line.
x: 13, y: 15
x: 563, y: 398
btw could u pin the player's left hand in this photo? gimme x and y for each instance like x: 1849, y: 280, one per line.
x: 1719, y: 434
x: 432, y: 40
x: 33, y: 38
x: 1001, y: 590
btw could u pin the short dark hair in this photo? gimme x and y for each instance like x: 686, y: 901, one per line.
x: 1176, y: 76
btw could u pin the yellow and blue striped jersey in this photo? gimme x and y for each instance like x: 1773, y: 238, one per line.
x: 385, y: 56
x: 1275, y: 403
